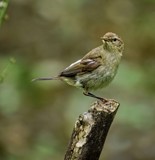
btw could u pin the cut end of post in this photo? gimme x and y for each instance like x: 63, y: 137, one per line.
x: 109, y: 106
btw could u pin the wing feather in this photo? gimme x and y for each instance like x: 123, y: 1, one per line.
x: 88, y: 63
x: 80, y: 67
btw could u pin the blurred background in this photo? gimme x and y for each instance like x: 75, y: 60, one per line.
x: 41, y: 38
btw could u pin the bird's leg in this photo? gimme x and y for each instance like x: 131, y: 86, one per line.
x: 92, y: 95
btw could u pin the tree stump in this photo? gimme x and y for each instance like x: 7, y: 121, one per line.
x: 90, y: 131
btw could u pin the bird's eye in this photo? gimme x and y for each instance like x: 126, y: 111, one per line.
x: 115, y: 39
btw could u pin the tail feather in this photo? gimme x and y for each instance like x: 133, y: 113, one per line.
x: 44, y: 78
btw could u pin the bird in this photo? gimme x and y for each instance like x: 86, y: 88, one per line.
x: 96, y: 69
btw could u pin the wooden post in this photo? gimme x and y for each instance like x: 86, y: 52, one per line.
x: 90, y: 131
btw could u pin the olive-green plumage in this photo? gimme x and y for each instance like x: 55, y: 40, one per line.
x: 97, y: 68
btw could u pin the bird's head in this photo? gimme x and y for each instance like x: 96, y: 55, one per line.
x: 113, y: 43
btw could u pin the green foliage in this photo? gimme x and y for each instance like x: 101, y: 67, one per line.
x: 3, y: 7
x: 6, y: 69
x: 136, y: 115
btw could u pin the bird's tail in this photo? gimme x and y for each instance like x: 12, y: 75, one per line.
x: 45, y: 78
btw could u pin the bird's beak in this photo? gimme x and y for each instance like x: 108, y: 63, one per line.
x: 103, y: 40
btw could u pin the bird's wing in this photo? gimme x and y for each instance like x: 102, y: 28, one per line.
x: 95, y: 53
x: 80, y: 67
x: 88, y: 63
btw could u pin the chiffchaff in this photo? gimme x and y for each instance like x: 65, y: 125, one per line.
x: 96, y: 69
